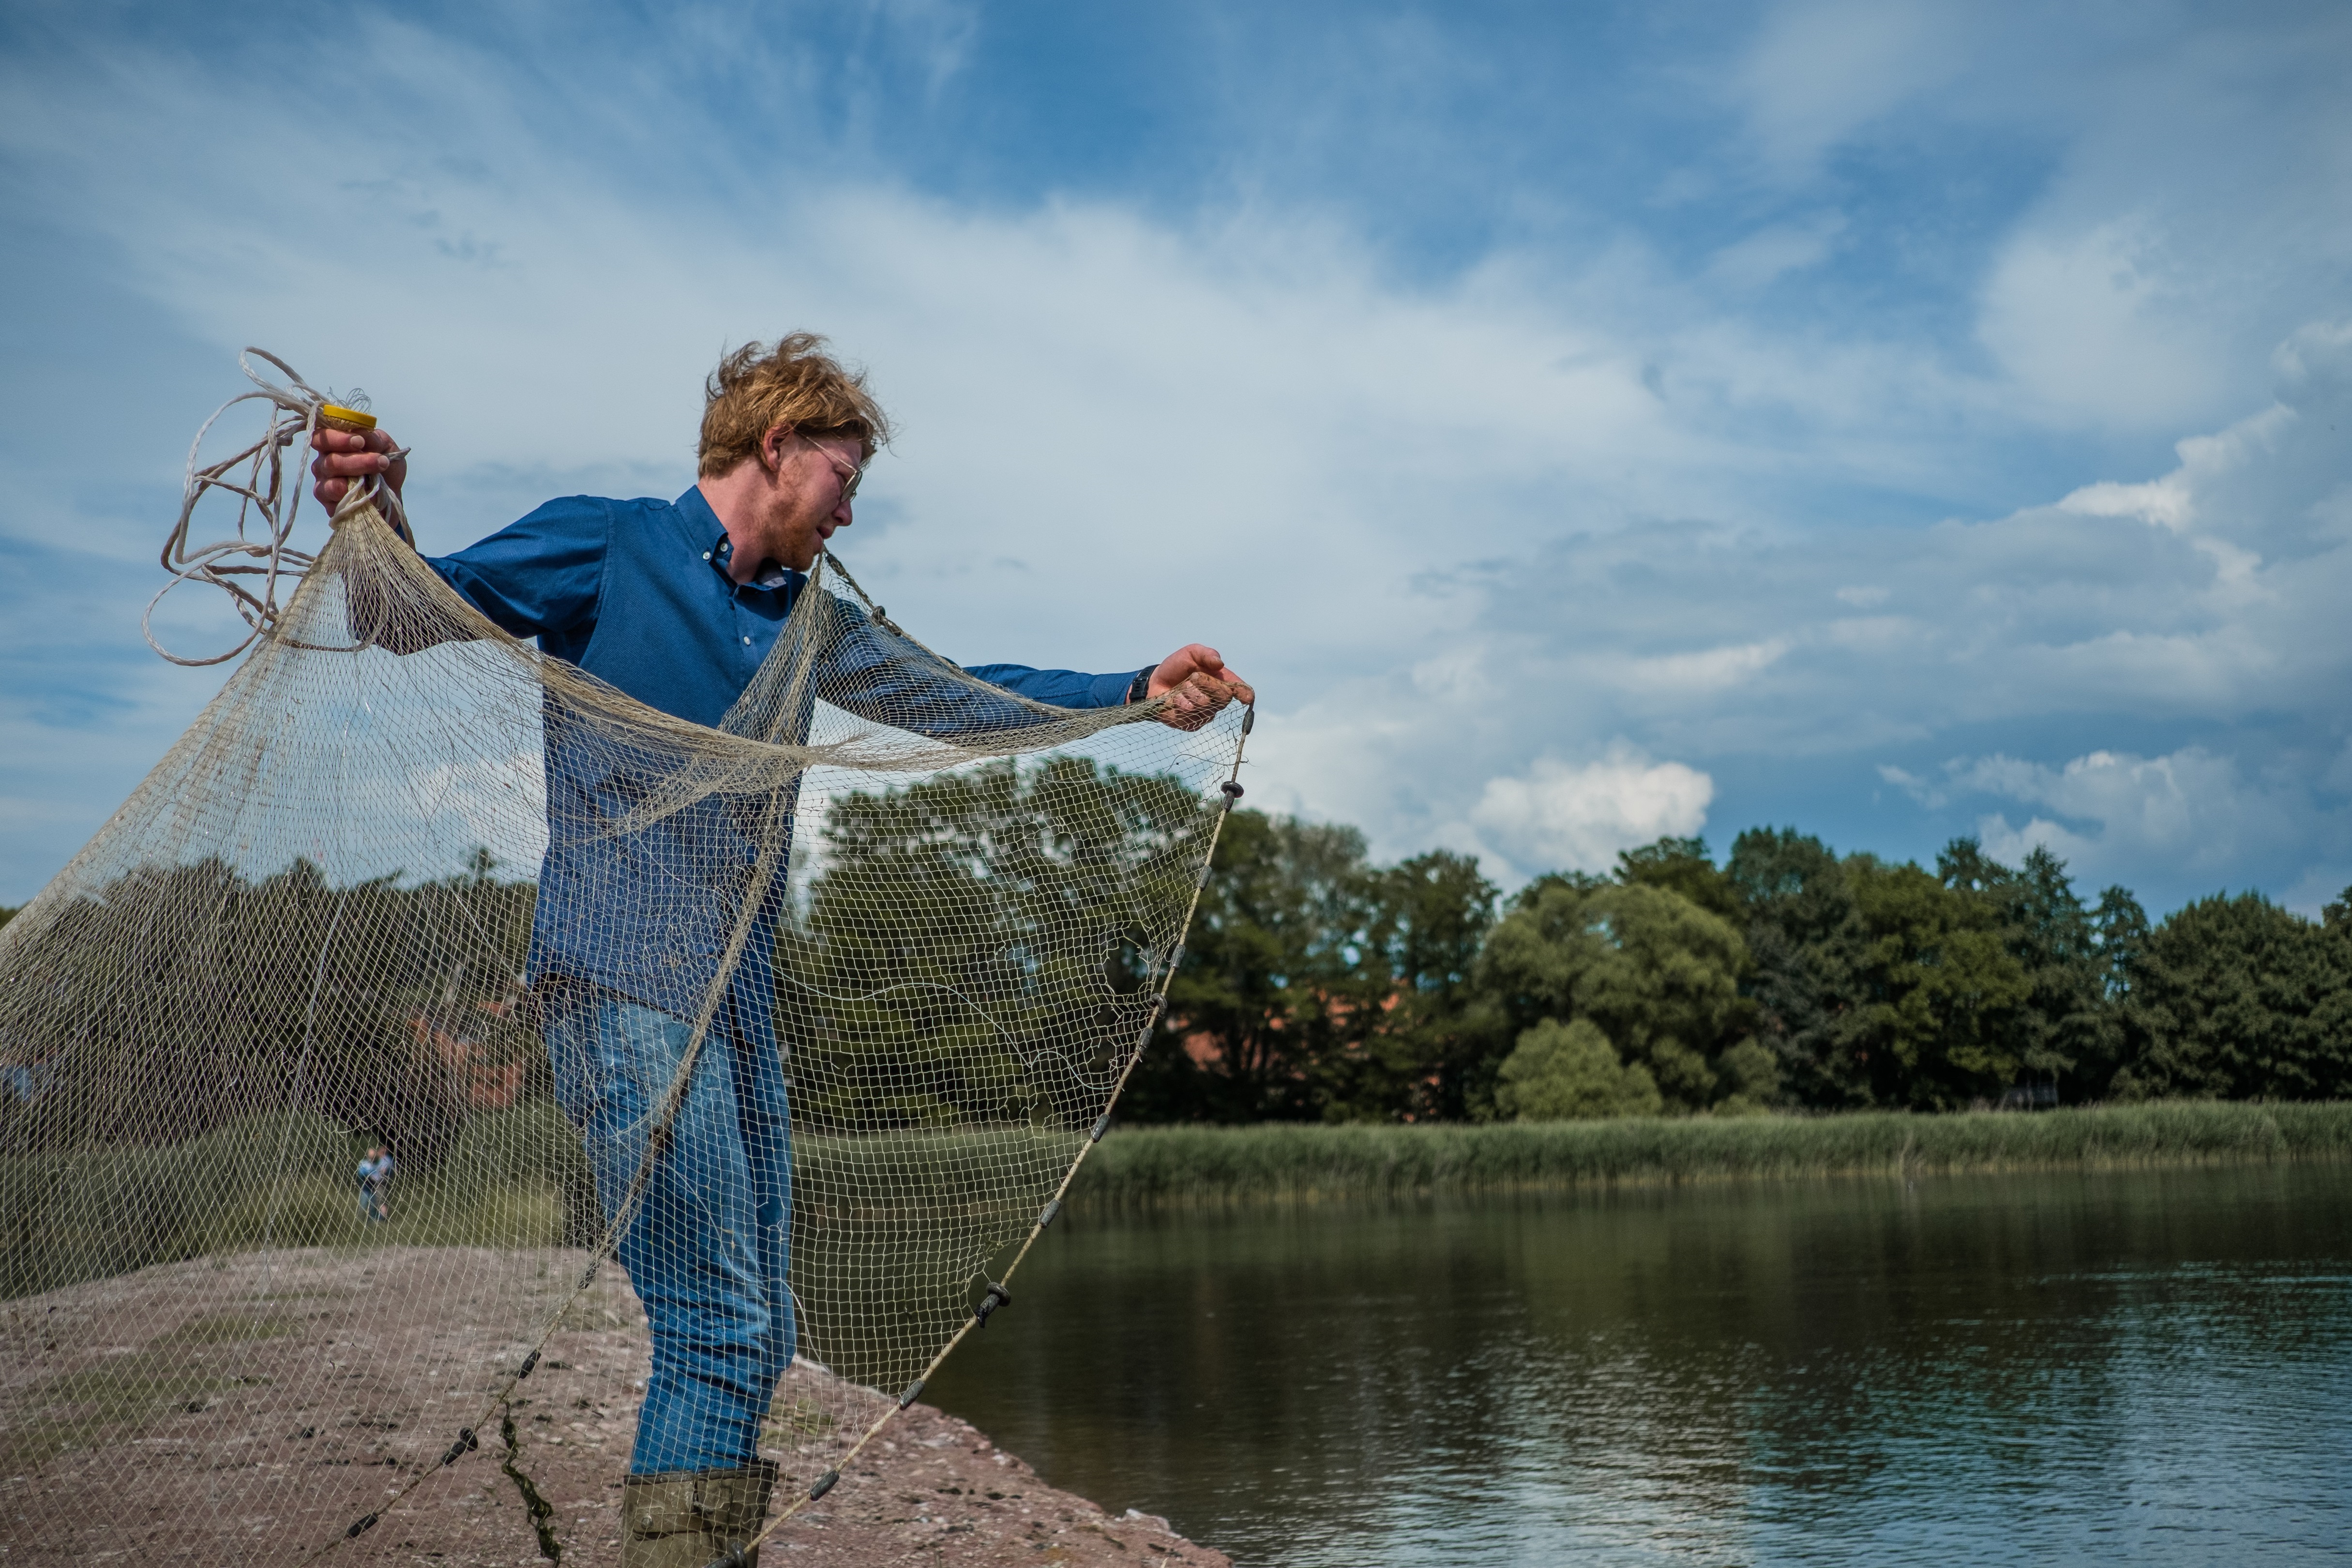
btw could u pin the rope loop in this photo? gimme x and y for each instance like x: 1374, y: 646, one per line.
x: 266, y: 514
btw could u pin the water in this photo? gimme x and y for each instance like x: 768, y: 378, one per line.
x: 2143, y: 1368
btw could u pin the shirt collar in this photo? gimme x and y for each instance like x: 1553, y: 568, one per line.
x: 773, y: 578
x: 704, y: 523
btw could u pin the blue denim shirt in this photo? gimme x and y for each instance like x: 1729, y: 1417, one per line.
x: 636, y: 594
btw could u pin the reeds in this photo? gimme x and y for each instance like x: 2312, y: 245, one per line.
x: 1158, y: 1165
x: 517, y: 1178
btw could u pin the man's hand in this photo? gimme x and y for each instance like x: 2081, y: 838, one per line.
x: 1198, y: 685
x: 348, y: 454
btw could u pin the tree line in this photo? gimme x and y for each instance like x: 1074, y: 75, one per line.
x: 1320, y: 986
x: 177, y: 999
x: 962, y: 925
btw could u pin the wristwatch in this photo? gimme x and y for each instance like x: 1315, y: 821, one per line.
x: 1139, y: 688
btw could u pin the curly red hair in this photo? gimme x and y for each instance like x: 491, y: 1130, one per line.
x: 757, y: 388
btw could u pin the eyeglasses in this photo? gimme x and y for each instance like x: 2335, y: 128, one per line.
x: 849, y: 485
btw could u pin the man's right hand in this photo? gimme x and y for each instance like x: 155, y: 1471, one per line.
x: 1198, y: 684
x: 348, y: 454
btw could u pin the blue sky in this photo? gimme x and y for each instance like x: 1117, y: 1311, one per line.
x: 1584, y: 422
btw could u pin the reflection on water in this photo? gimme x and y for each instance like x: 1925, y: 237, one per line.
x: 2153, y: 1368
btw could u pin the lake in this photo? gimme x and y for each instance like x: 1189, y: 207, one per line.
x: 2143, y: 1367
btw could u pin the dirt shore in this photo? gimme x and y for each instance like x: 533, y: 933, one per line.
x: 139, y: 1421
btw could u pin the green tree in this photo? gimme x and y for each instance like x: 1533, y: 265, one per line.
x: 1654, y: 973
x: 2066, y: 1019
x: 1574, y: 881
x: 2236, y: 998
x: 182, y: 997
x: 1274, y: 980
x: 1419, y: 1054
x: 1683, y: 866
x: 1805, y: 939
x: 2120, y: 927
x: 977, y: 944
x: 1569, y: 1072
x: 1938, y: 991
x: 1884, y: 986
x: 2123, y: 932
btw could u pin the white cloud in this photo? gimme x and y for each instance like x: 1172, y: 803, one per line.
x: 1774, y: 251
x: 2163, y: 502
x: 1821, y: 70
x: 2191, y: 806
x: 2011, y: 846
x: 2315, y: 361
x: 1912, y: 784
x: 2081, y: 322
x: 1556, y: 815
x: 940, y: 33
x: 1702, y: 670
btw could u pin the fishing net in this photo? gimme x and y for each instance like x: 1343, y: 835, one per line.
x: 316, y: 1146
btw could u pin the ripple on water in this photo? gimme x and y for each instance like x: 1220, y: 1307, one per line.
x: 2151, y: 1367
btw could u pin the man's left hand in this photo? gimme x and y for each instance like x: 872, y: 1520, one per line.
x: 1198, y: 685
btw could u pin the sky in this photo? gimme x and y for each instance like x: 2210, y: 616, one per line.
x: 1583, y: 423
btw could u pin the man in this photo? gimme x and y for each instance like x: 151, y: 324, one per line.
x: 375, y: 1185
x: 677, y: 604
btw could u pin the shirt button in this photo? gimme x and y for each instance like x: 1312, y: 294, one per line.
x: 746, y: 642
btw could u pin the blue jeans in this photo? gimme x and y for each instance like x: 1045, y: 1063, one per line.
x: 712, y: 1239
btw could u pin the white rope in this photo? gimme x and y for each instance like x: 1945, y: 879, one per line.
x: 265, y: 514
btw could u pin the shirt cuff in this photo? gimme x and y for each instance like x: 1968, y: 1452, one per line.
x: 1110, y: 691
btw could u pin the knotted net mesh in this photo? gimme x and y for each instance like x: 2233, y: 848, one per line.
x: 434, y: 1018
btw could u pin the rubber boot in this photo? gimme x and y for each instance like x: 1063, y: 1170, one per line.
x: 692, y: 1518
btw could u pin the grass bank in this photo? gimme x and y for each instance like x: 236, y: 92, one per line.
x: 1153, y: 1165
x: 510, y: 1178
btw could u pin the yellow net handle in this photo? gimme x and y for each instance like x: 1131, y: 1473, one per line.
x: 262, y: 546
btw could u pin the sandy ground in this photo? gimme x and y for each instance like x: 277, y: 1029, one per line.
x: 244, y: 1413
